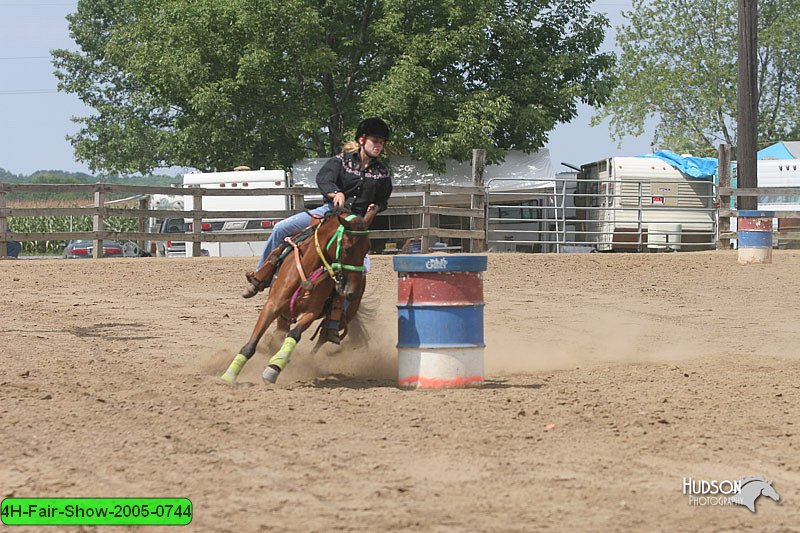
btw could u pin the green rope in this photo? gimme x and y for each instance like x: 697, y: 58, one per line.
x: 337, y: 237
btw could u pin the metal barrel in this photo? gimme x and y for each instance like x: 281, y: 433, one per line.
x: 755, y: 236
x: 440, y: 320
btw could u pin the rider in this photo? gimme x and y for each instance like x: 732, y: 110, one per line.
x: 355, y: 179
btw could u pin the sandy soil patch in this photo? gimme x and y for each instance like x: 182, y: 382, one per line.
x: 611, y: 377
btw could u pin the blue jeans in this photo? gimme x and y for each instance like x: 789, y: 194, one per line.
x: 288, y: 227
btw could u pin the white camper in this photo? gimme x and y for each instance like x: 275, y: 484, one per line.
x: 643, y: 203
x: 780, y: 173
x: 237, y: 180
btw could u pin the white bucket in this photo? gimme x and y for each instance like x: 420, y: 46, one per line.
x: 664, y: 236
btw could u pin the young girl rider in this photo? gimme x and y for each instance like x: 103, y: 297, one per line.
x: 355, y: 179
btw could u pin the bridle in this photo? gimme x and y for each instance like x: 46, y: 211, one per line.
x: 333, y: 269
x: 336, y: 267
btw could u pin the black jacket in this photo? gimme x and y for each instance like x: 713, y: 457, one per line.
x: 360, y: 187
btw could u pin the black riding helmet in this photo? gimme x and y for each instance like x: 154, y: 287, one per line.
x: 373, y: 126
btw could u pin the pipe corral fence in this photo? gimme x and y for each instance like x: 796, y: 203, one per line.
x: 567, y: 214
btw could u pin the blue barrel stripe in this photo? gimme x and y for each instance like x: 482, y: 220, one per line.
x: 437, y: 326
x: 755, y: 239
x: 440, y: 263
x: 755, y: 214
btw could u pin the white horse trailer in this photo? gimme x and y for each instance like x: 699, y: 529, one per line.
x: 639, y: 203
x: 780, y: 173
x: 237, y: 180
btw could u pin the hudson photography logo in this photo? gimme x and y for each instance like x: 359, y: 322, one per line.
x: 744, y: 491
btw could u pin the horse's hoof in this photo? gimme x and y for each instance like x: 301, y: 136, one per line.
x: 229, y: 377
x: 270, y: 374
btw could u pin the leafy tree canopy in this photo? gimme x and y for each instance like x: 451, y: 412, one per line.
x: 212, y: 84
x: 678, y: 64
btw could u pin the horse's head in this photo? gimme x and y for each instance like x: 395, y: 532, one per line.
x: 344, y: 240
x: 769, y: 491
x: 753, y: 487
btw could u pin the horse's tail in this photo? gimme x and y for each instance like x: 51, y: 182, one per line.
x: 357, y: 327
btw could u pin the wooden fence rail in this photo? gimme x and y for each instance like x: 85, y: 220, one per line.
x: 428, y: 201
x: 726, y: 213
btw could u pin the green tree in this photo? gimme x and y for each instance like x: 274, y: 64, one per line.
x: 678, y: 64
x: 211, y: 84
x: 7, y: 176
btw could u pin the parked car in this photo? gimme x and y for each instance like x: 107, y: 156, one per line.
x: 13, y: 249
x: 78, y: 249
x: 170, y: 248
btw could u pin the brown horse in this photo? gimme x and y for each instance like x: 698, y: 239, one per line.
x: 331, y: 259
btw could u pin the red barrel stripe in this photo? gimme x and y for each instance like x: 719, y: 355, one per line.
x: 440, y: 383
x: 754, y: 223
x: 440, y: 288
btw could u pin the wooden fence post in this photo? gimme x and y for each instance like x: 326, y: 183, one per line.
x: 425, y: 241
x: 747, y: 103
x: 478, y: 201
x: 296, y: 202
x: 142, y: 226
x: 197, y: 221
x: 3, y: 226
x: 98, y: 222
x: 724, y: 172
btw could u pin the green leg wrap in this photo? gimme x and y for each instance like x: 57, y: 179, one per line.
x: 232, y: 373
x: 281, y: 359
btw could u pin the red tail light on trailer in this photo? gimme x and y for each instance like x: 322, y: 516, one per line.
x: 204, y: 226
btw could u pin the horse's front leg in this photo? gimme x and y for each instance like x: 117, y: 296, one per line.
x: 278, y: 362
x: 352, y: 307
x: 265, y: 318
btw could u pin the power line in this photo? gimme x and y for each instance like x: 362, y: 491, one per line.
x: 37, y: 4
x: 23, y: 57
x: 27, y: 91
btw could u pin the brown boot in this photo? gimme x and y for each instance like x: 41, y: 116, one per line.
x: 262, y: 278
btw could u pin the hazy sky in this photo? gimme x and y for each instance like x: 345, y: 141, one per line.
x: 35, y: 118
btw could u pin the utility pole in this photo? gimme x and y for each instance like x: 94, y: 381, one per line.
x: 747, y: 103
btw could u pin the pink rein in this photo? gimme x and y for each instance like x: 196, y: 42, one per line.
x: 318, y: 273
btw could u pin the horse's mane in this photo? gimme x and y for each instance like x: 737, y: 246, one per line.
x: 356, y: 223
x: 745, y: 480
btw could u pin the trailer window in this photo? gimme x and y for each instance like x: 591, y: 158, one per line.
x: 515, y: 214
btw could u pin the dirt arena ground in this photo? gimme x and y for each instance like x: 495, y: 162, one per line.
x: 611, y: 378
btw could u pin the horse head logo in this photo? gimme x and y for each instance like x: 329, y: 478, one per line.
x: 752, y: 488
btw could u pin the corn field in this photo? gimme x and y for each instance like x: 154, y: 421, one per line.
x: 46, y: 224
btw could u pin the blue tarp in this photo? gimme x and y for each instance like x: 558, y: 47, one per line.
x: 776, y: 151
x: 695, y: 167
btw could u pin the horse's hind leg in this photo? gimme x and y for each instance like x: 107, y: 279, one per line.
x: 278, y: 362
x: 265, y: 318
